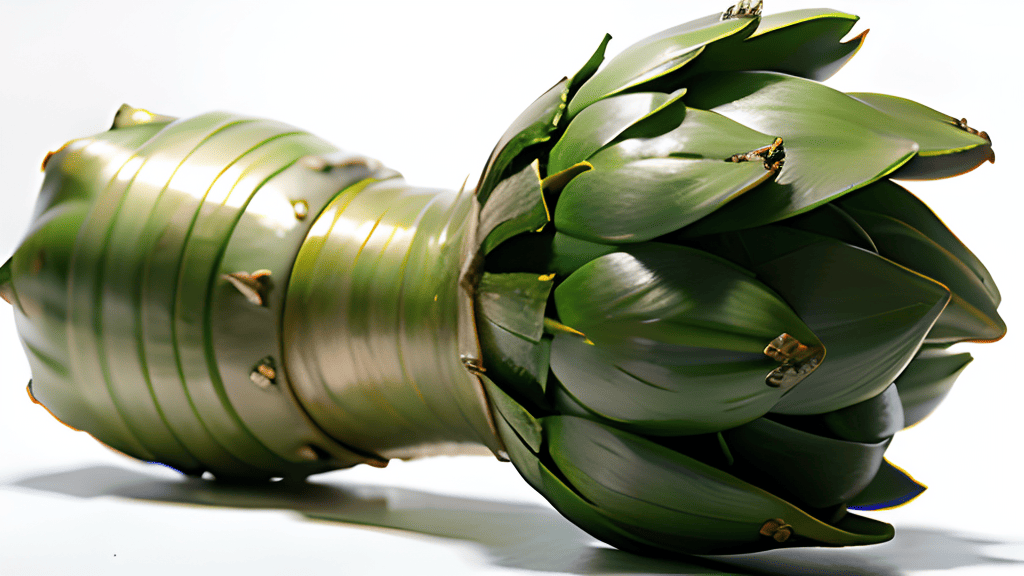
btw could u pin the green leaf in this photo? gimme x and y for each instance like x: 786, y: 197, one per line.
x: 525, y: 425
x: 971, y: 313
x: 927, y: 380
x: 547, y: 252
x: 833, y: 222
x: 945, y: 149
x: 664, y: 389
x: 890, y: 488
x: 886, y: 197
x: 554, y: 183
x: 657, y: 56
x: 644, y: 187
x: 568, y: 253
x: 834, y: 143
x: 515, y: 206
x: 872, y: 420
x: 516, y: 362
x: 808, y: 469
x: 677, y: 340
x: 590, y: 67
x: 510, y: 325
x: 533, y: 126
x: 805, y: 43
x: 677, y: 501
x: 515, y: 302
x: 648, y: 198
x: 871, y: 314
x: 564, y: 499
x: 601, y: 122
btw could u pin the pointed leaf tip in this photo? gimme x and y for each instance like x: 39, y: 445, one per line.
x: 891, y: 487
x: 6, y: 291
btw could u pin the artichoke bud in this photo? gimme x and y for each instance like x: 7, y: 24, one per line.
x: 737, y: 285
x: 687, y: 299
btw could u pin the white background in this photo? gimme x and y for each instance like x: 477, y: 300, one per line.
x: 428, y: 87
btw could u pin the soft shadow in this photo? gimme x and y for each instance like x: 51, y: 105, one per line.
x: 521, y: 536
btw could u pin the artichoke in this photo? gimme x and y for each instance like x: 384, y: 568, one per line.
x: 687, y: 299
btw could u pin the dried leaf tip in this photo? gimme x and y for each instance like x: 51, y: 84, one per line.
x: 773, y: 156
x: 798, y: 361
x: 962, y: 124
x: 743, y: 10
x: 776, y: 529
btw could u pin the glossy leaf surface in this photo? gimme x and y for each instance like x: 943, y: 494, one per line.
x: 656, y: 56
x: 861, y: 145
x: 809, y: 469
x: 603, y: 121
x: 889, y: 198
x: 944, y: 148
x: 511, y: 309
x: 533, y: 126
x: 971, y: 313
x: 869, y: 313
x: 515, y: 206
x: 644, y: 187
x: 803, y: 43
x: 927, y: 380
x: 890, y: 488
x: 699, y: 508
x: 677, y: 340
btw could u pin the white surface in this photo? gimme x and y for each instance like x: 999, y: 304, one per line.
x: 428, y: 87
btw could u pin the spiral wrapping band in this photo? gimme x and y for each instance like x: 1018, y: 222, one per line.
x: 150, y: 295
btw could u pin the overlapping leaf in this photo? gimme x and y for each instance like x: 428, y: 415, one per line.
x: 511, y: 325
x: 971, y: 314
x: 657, y: 56
x: 803, y: 43
x: 870, y: 313
x: 642, y: 188
x: 674, y: 340
x: 808, y: 469
x: 927, y: 380
x: 679, y: 502
x: 945, y: 147
x: 861, y: 147
x: 891, y: 487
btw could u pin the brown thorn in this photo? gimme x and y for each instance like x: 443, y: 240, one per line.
x: 253, y: 286
x: 776, y: 529
x: 264, y: 374
x: 962, y: 124
x: 770, y: 526
x: 797, y: 361
x: 783, y: 533
x: 743, y: 9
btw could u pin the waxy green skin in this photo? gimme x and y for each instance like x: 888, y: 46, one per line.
x: 135, y: 335
x: 608, y: 309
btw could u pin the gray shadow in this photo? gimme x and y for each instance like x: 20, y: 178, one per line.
x: 513, y: 535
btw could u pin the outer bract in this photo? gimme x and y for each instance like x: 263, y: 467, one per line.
x: 688, y: 301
